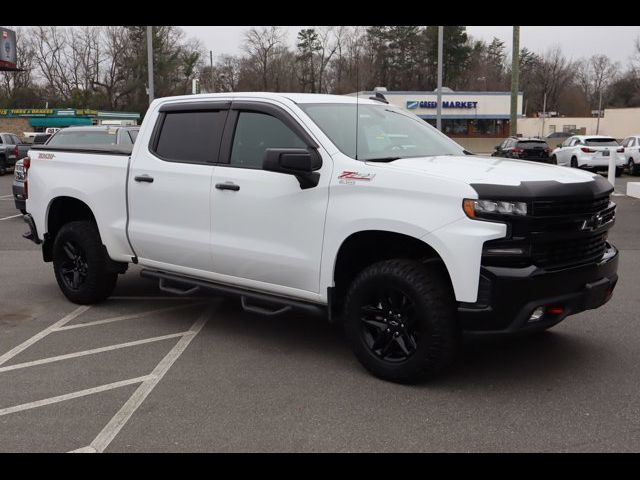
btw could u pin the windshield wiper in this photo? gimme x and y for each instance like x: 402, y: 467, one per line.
x: 381, y: 159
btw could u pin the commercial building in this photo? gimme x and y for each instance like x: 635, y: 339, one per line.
x: 464, y: 114
x: 616, y: 122
x: 22, y: 120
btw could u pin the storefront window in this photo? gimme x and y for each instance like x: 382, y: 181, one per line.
x: 455, y: 127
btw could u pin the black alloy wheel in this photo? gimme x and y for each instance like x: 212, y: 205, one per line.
x: 388, y: 325
x: 74, y: 268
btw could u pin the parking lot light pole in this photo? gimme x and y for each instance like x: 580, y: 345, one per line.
x: 515, y: 80
x: 440, y: 50
x: 150, y: 61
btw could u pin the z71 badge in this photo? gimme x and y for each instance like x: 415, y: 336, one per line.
x: 349, y: 177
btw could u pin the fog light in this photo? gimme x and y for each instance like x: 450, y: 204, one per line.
x: 537, y: 314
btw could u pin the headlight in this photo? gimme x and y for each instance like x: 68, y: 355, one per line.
x: 476, y: 208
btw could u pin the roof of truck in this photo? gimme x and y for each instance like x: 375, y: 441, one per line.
x: 294, y: 97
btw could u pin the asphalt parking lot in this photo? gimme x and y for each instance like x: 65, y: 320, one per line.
x: 147, y: 372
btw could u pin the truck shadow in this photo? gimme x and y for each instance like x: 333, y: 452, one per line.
x: 526, y: 360
x: 506, y: 361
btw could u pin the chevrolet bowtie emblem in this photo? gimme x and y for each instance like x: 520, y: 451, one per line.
x: 592, y: 223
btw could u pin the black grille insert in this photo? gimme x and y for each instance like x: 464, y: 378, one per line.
x: 553, y: 208
x: 567, y: 252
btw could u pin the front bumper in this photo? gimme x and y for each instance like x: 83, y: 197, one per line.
x: 508, y: 296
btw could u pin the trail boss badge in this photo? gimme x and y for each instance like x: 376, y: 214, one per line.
x: 350, y: 178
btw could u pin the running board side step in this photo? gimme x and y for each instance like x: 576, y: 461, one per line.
x: 270, y: 305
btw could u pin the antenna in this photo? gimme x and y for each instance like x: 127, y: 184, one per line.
x: 357, y: 101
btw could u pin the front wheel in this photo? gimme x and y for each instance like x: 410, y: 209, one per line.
x: 400, y: 320
x: 80, y: 264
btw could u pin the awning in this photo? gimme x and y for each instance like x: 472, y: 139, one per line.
x: 58, y: 121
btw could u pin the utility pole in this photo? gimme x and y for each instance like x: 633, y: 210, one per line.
x: 544, y: 112
x: 599, y: 111
x: 150, y: 61
x: 211, y: 61
x: 440, y: 50
x: 515, y: 80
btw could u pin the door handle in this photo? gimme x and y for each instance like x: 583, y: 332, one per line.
x: 228, y: 186
x: 143, y: 178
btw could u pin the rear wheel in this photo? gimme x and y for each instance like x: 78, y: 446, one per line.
x: 3, y: 166
x: 631, y: 166
x: 400, y: 320
x: 554, y: 160
x: 619, y: 171
x: 81, y: 265
x: 574, y: 162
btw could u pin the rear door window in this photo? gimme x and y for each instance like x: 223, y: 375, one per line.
x: 190, y: 136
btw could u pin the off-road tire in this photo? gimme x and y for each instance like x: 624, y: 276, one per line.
x: 434, y: 307
x: 98, y: 282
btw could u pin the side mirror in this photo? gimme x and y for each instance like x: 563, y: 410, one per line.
x: 559, y: 145
x: 497, y: 147
x: 299, y: 162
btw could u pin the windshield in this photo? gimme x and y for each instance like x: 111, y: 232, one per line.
x: 384, y: 132
x: 601, y: 142
x: 102, y: 137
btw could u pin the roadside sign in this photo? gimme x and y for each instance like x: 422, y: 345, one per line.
x: 8, y: 53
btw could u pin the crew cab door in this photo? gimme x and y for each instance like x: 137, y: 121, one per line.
x: 266, y: 229
x: 169, y: 187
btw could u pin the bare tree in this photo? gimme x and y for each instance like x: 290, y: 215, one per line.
x: 262, y: 46
x: 328, y: 42
x: 594, y: 76
x: 554, y: 73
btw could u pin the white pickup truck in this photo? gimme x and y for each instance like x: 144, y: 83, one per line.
x: 349, y: 207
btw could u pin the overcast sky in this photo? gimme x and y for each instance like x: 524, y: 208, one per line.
x: 576, y: 41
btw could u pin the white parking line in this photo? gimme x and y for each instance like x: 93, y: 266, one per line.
x: 125, y: 317
x: 93, y: 351
x: 7, y: 196
x: 108, y: 433
x: 69, y: 396
x: 12, y: 216
x: 84, y: 450
x: 40, y: 335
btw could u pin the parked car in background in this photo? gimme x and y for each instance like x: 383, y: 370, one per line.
x: 81, y: 136
x: 631, y: 146
x: 589, y: 152
x: 534, y: 149
x: 95, y: 135
x: 11, y: 149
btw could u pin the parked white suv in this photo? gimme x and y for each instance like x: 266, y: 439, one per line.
x: 590, y: 152
x: 631, y: 147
